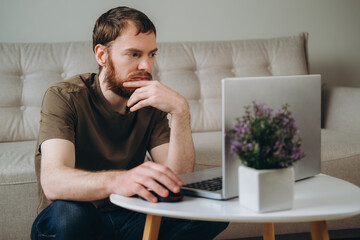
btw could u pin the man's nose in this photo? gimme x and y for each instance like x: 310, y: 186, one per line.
x: 145, y: 64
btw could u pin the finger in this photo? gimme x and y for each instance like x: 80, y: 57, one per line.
x: 141, y: 104
x: 165, y: 176
x: 168, y: 184
x: 147, y: 195
x: 148, y: 173
x: 148, y: 99
x: 137, y: 84
x: 139, y: 183
x: 168, y: 173
x: 146, y: 182
x: 138, y: 95
x: 158, y: 188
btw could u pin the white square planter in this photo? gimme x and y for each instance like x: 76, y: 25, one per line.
x: 266, y: 190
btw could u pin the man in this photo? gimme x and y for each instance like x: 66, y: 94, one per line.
x: 94, y: 133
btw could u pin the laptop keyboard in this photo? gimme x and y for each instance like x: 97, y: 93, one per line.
x: 213, y: 184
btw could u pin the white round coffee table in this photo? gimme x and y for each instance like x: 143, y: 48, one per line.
x: 317, y: 200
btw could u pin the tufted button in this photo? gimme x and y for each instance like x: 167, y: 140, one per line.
x: 63, y: 75
x: 22, y: 77
x: 22, y: 108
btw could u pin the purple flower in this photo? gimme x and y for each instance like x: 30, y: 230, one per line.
x: 263, y: 139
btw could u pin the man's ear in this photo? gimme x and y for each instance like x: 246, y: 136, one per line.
x: 101, y: 54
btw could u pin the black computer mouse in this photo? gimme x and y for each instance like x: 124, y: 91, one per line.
x: 172, y: 197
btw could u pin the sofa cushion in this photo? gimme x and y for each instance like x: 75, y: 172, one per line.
x: 338, y: 144
x: 207, y: 149
x: 340, y: 155
x: 26, y: 71
x: 341, y: 108
x: 195, y: 69
x: 17, y: 162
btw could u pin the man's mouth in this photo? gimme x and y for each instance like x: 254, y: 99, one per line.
x: 139, y: 76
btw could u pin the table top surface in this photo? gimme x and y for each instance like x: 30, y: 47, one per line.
x: 316, y: 199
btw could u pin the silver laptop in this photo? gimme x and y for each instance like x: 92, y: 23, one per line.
x: 301, y: 92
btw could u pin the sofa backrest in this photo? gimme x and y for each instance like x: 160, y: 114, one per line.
x: 194, y: 69
x: 26, y: 71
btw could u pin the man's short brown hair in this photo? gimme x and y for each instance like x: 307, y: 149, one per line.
x: 111, y: 24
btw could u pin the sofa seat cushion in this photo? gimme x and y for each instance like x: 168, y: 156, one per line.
x: 207, y: 149
x: 340, y: 155
x: 17, y: 162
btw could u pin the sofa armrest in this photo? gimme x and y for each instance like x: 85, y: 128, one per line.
x: 341, y: 108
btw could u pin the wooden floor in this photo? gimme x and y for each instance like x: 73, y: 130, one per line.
x: 350, y: 234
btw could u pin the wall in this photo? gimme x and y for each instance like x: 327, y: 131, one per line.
x: 333, y: 25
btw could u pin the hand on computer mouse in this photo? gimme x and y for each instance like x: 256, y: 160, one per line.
x: 171, y: 197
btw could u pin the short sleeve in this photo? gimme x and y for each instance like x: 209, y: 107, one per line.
x: 58, y: 118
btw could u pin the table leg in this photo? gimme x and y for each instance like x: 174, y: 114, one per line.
x: 152, y: 227
x: 268, y: 231
x: 319, y: 230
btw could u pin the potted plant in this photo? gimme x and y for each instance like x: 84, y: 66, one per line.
x: 267, y: 144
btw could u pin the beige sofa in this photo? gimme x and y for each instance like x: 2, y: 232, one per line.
x: 194, y: 69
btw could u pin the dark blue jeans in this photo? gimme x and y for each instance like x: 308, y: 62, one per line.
x: 81, y: 220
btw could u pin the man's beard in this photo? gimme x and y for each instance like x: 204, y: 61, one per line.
x: 115, y: 83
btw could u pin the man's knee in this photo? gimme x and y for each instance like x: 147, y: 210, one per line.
x: 70, y: 213
x: 67, y: 219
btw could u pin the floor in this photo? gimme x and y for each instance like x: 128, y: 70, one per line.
x: 350, y: 234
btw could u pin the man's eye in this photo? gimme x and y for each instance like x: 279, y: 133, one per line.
x: 135, y: 55
x: 153, y: 54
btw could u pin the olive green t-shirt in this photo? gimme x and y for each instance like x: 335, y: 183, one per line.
x: 76, y: 110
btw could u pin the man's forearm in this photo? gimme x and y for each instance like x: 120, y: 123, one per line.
x: 78, y: 185
x: 90, y: 186
x: 181, y: 154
